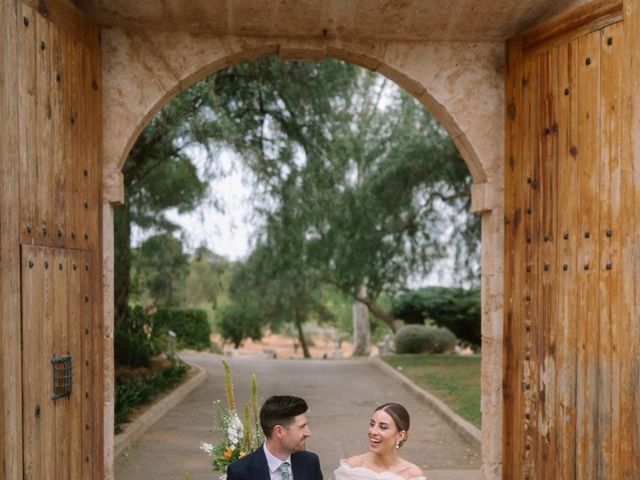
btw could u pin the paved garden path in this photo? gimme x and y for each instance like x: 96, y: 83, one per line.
x: 341, y: 395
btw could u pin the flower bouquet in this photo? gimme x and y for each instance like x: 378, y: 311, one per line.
x: 240, y: 436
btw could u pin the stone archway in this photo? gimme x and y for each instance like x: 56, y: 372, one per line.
x: 461, y: 83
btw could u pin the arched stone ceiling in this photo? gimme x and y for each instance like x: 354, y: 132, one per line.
x: 417, y: 20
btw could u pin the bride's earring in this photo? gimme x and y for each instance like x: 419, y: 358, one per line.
x: 398, y: 445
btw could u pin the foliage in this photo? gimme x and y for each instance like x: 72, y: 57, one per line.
x: 207, y: 279
x: 350, y: 189
x: 454, y: 379
x: 162, y: 267
x: 424, y: 339
x: 235, y: 323
x: 133, y: 345
x: 240, y: 436
x: 356, y: 185
x: 160, y: 173
x: 131, y: 394
x: 191, y: 326
x: 457, y: 309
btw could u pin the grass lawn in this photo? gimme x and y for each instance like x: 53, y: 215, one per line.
x: 453, y: 379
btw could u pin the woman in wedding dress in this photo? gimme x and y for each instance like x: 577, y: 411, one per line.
x: 388, y: 431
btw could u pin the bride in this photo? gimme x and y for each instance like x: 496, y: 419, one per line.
x: 387, y: 433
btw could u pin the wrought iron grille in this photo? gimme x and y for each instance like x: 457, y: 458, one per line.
x: 62, y: 376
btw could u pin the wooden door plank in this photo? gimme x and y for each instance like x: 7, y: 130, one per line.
x: 11, y: 421
x: 588, y: 169
x: 528, y: 354
x: 629, y: 445
x: 567, y: 265
x: 70, y: 148
x: 88, y: 371
x: 62, y: 186
x: 27, y: 122
x: 34, y: 401
x: 43, y: 193
x: 74, y: 315
x: 61, y: 346
x: 513, y: 268
x: 48, y: 301
x: 611, y: 45
x: 547, y: 287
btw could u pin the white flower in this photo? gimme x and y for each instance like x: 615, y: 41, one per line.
x: 234, y: 429
x: 206, y: 447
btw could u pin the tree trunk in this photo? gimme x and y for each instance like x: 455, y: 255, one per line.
x: 376, y: 310
x: 361, y: 326
x: 303, y: 341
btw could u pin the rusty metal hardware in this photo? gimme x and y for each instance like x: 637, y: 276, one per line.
x: 529, y: 238
x: 529, y: 268
x: 529, y: 210
x: 46, y: 265
x: 565, y: 235
x: 546, y: 267
x: 586, y: 265
x: 44, y: 230
x: 62, y: 376
x: 587, y: 234
x: 26, y: 21
x: 588, y: 61
x: 30, y: 263
x: 37, y: 411
x: 610, y: 41
x: 609, y: 265
x: 609, y: 232
x: 547, y: 237
x: 566, y: 91
x: 565, y: 267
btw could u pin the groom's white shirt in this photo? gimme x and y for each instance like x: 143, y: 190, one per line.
x: 274, y: 463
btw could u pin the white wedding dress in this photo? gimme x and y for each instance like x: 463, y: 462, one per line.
x: 345, y: 472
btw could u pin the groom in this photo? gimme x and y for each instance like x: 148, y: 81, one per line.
x: 283, y: 454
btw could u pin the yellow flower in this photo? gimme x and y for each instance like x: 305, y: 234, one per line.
x: 242, y: 454
x: 228, y: 453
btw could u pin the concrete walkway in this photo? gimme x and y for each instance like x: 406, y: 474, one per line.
x: 341, y: 395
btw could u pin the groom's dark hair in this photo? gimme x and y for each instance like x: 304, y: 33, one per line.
x: 280, y: 410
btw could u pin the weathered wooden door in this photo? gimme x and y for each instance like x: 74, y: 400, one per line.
x: 571, y: 259
x: 50, y: 250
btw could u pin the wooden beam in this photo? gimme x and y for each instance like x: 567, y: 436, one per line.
x: 573, y: 24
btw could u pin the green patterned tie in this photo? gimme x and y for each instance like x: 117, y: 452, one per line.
x: 285, y: 471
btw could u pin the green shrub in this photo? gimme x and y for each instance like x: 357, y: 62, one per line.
x: 191, y: 326
x: 424, y: 339
x: 133, y: 345
x: 236, y: 323
x: 457, y: 309
x: 442, y: 340
x: 131, y: 394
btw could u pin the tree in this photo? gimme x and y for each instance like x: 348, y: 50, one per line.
x: 355, y: 182
x: 206, y: 280
x: 356, y: 185
x: 162, y: 267
x: 161, y: 173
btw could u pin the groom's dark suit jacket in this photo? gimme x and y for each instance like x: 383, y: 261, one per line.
x: 304, y: 466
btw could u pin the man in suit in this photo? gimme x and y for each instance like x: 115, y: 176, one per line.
x: 283, y: 454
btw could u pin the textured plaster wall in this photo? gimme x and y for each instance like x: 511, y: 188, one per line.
x: 460, y: 83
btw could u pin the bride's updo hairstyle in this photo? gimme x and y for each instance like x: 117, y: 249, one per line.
x: 399, y: 415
